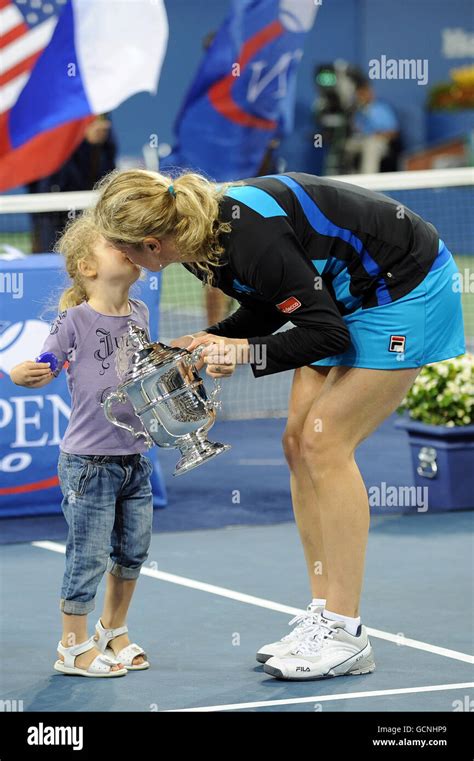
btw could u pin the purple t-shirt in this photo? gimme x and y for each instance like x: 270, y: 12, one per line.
x: 89, y: 340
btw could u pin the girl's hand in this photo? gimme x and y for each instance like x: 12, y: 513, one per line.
x: 31, y: 374
x: 222, y: 355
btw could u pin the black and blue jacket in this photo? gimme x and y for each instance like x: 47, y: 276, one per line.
x: 311, y: 250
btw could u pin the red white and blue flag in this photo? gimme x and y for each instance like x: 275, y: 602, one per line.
x: 243, y: 94
x: 61, y: 63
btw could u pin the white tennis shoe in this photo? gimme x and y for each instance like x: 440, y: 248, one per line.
x: 304, y: 623
x: 329, y: 650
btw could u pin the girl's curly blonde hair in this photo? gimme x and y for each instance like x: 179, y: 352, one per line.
x: 136, y: 203
x: 75, y: 243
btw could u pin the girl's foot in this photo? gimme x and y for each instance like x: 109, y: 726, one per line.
x: 119, y: 642
x: 84, y: 660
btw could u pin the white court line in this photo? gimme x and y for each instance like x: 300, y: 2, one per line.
x: 270, y: 605
x: 325, y: 698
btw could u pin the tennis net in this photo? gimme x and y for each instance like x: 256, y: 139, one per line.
x: 444, y: 197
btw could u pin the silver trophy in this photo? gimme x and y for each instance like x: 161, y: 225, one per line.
x: 168, y: 396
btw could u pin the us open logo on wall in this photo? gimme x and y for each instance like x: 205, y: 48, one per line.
x: 397, y: 343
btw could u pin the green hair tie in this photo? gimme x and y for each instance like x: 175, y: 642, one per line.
x: 171, y: 190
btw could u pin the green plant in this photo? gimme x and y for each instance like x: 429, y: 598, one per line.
x: 443, y: 393
x: 457, y: 94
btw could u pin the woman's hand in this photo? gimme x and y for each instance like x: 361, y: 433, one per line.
x: 221, y: 354
x: 31, y: 374
x: 183, y: 342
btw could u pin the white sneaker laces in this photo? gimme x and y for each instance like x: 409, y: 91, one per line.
x: 304, y: 622
x: 312, y: 644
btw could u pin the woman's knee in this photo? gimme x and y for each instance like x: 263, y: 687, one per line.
x: 292, y: 446
x: 324, y: 447
x: 309, y: 445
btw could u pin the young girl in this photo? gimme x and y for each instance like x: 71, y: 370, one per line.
x: 103, y: 473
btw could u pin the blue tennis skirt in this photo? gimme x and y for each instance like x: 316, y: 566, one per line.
x: 424, y: 326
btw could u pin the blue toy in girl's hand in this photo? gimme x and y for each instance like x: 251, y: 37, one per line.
x: 48, y: 356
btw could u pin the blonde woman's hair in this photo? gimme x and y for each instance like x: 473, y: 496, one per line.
x: 75, y: 243
x: 136, y: 203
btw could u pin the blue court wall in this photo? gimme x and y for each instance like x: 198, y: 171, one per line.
x: 356, y: 30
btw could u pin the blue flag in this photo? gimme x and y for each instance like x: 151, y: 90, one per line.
x: 244, y: 91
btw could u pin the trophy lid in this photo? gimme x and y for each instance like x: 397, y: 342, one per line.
x: 137, y: 355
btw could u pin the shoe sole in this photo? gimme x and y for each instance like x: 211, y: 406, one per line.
x: 278, y: 674
x: 67, y: 671
x: 366, y: 667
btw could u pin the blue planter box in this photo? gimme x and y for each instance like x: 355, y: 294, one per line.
x: 443, y: 461
x: 446, y: 125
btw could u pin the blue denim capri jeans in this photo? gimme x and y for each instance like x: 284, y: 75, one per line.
x: 108, y: 506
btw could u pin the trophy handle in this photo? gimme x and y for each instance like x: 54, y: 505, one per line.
x: 119, y: 396
x: 212, y: 402
x: 195, y: 355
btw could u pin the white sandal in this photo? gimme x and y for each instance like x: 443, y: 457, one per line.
x: 126, y: 654
x: 100, y: 666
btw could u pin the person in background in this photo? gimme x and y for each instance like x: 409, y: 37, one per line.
x: 94, y: 158
x: 375, y: 144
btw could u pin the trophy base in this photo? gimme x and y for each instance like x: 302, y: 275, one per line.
x: 195, y: 451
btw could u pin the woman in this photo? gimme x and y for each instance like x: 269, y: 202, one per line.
x: 367, y: 285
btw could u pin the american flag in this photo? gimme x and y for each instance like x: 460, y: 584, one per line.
x: 26, y: 27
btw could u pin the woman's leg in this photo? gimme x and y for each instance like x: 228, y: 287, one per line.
x: 306, y: 388
x: 351, y: 405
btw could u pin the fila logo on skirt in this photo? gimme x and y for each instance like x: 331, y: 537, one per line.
x: 397, y: 343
